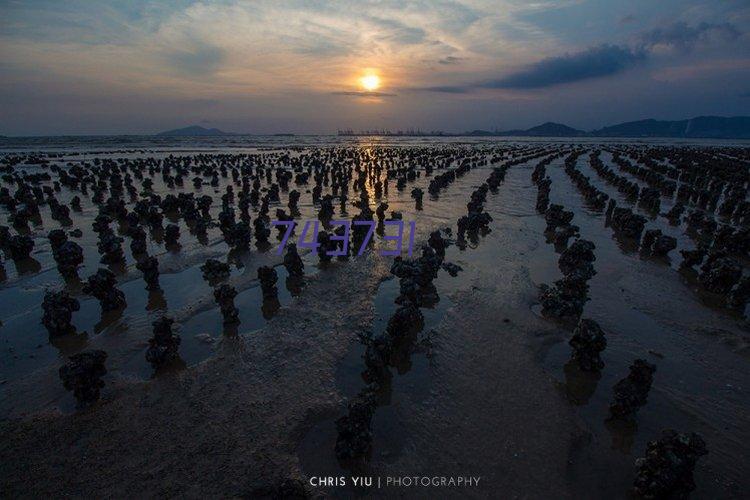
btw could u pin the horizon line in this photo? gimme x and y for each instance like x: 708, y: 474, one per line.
x: 348, y: 132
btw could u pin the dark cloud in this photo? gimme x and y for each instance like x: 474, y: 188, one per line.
x: 595, y: 62
x: 599, y: 61
x: 198, y: 60
x: 681, y: 36
x: 450, y: 60
x: 446, y: 89
x: 627, y: 19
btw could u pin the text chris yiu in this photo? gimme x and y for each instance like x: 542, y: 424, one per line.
x: 341, y: 481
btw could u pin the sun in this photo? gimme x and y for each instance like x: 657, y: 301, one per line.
x: 370, y: 82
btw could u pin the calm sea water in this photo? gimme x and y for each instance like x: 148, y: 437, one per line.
x: 150, y: 143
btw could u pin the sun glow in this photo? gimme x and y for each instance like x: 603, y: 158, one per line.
x: 370, y: 82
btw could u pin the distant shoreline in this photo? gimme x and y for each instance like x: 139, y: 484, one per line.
x: 700, y: 127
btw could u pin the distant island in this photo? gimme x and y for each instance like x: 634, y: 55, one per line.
x: 549, y: 129
x: 194, y: 131
x: 701, y: 127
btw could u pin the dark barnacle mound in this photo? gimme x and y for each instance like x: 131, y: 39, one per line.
x: 68, y: 256
x: 416, y: 277
x: 326, y: 208
x: 542, y: 197
x: 56, y: 238
x: 75, y: 203
x: 557, y: 216
x: 564, y: 299
x: 4, y: 236
x: 103, y: 286
x: 380, y: 212
x: 632, y: 392
x: 720, y: 274
x: 559, y: 229
x: 476, y: 221
x: 438, y: 243
x: 110, y: 246
x: 268, y: 278
x: 58, y: 310
x: 663, y: 245
x: 539, y: 177
x: 740, y: 294
x: 224, y: 296
x: 627, y: 223
x: 587, y: 342
x: 675, y: 213
x: 595, y: 198
x: 262, y: 230
x: 150, y: 269
x: 82, y: 375
x: 650, y: 199
x: 325, y: 245
x: 172, y: 235
x: 294, y: 196
x: 656, y: 243
x: 667, y: 469
x: 576, y: 260
x: 240, y: 236
x: 417, y: 194
x: 101, y: 223
x: 20, y: 246
x: 354, y: 439
x: 281, y: 216
x: 214, y: 271
x: 496, y: 177
x: 164, y: 345
x: 293, y: 262
x: 138, y: 244
x: 692, y: 258
x: 406, y: 320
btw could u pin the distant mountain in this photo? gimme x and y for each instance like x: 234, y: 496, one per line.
x: 549, y: 129
x: 710, y: 127
x: 644, y: 128
x: 706, y: 127
x: 193, y: 131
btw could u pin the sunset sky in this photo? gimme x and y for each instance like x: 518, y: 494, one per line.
x: 85, y: 67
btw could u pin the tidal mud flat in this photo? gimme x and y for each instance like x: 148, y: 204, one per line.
x: 566, y: 303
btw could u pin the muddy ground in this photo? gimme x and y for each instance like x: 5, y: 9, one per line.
x: 487, y: 391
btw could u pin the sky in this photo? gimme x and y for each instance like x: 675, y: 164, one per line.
x: 296, y: 66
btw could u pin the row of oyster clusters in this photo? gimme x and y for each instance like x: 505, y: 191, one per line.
x: 111, y: 182
x: 393, y: 347
x: 667, y: 468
